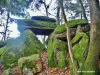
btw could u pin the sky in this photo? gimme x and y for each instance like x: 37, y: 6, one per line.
x: 13, y: 26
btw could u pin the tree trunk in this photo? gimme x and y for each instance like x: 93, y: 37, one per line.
x: 81, y: 16
x: 6, y: 27
x: 46, y: 9
x: 83, y: 9
x: 91, y: 63
x: 47, y: 12
x: 68, y: 36
x: 58, y: 15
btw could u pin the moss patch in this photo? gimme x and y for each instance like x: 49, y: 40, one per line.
x: 60, y: 29
x: 61, y: 58
x: 72, y: 23
x: 29, y: 61
x: 40, y: 23
x: 57, y: 52
x: 79, y: 48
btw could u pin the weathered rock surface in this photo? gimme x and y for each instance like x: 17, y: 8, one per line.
x: 57, y: 45
x: 62, y: 36
x: 40, y: 25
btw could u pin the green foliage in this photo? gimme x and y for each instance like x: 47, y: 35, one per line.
x: 72, y: 23
x: 3, y: 2
x: 14, y: 6
x: 56, y: 52
x: 79, y: 48
x: 71, y: 6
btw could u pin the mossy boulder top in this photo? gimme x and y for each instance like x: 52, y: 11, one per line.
x: 60, y: 31
x: 72, y: 23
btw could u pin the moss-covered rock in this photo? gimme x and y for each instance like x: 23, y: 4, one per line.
x: 57, y: 52
x: 30, y: 62
x: 72, y: 23
x: 60, y: 29
x: 36, y: 22
x: 25, y: 45
x: 80, y: 40
x: 30, y: 58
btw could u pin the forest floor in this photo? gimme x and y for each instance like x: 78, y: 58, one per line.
x: 52, y: 71
x: 46, y: 70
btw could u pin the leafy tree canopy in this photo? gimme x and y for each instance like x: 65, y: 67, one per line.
x: 14, y: 6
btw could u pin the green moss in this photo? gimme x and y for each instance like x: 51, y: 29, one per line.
x: 51, y: 62
x: 61, y: 59
x: 91, y: 63
x: 36, y: 23
x: 29, y: 62
x: 46, y: 24
x: 60, y: 29
x: 31, y: 58
x: 79, y: 48
x: 60, y: 45
x: 72, y: 23
x: 56, y: 52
